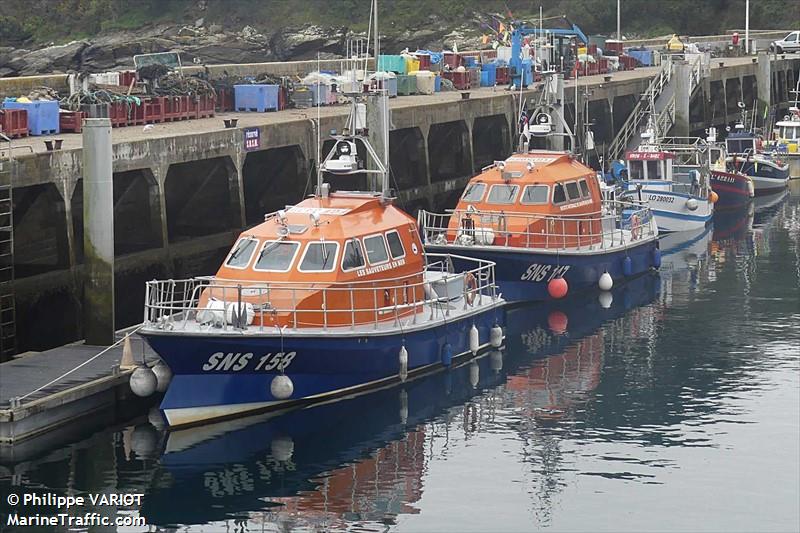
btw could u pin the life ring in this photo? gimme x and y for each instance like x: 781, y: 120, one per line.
x: 636, y: 227
x: 470, y: 287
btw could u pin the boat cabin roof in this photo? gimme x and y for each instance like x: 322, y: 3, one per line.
x: 537, y: 181
x: 335, y: 238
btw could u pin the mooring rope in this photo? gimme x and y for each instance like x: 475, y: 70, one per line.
x: 67, y: 373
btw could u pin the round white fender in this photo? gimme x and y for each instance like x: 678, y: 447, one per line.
x: 281, y: 387
x: 163, y: 376
x: 143, y: 382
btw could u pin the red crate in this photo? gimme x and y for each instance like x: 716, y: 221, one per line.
x: 283, y: 98
x: 14, y: 122
x: 70, y: 121
x: 502, y: 76
x: 225, y: 100
x: 460, y: 80
x: 453, y: 60
x: 424, y: 61
x: 602, y: 65
x: 153, y: 110
x: 592, y: 50
x: 193, y: 106
x: 172, y: 108
x: 126, y: 77
x: 118, y: 114
x: 206, y: 105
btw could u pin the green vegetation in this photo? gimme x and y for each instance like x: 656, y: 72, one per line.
x: 41, y: 21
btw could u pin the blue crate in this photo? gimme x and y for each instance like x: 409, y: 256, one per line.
x: 392, y: 63
x: 470, y: 61
x: 319, y: 94
x: 258, y: 98
x: 42, y: 115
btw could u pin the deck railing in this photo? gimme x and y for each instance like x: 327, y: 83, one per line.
x: 617, y: 224
x: 240, y: 305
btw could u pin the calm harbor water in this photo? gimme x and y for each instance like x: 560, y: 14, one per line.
x: 672, y: 405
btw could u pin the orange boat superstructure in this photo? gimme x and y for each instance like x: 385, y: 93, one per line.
x: 533, y: 200
x: 350, y: 255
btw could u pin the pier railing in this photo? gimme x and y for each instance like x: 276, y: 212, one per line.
x: 617, y: 224
x: 210, y: 305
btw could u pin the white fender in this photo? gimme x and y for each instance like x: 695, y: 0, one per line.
x: 474, y: 339
x: 281, y: 387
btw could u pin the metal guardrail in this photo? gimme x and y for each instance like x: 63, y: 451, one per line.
x: 589, y: 231
x: 666, y: 118
x: 234, y: 305
x: 638, y: 117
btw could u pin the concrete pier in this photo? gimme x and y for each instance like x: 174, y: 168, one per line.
x: 184, y: 190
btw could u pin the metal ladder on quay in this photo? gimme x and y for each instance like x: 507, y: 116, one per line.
x: 662, y: 93
x: 8, y: 327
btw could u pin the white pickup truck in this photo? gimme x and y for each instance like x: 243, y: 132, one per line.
x: 790, y: 43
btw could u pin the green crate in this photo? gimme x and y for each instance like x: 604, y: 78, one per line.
x: 406, y: 85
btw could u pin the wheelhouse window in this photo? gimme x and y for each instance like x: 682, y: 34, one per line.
x: 502, y: 194
x: 395, y: 245
x: 276, y: 256
x: 353, y: 256
x: 585, y: 189
x: 242, y: 253
x: 376, y: 249
x: 572, y: 191
x: 739, y: 146
x: 474, y: 192
x: 636, y: 170
x: 559, y: 193
x: 654, y: 170
x: 319, y: 257
x: 535, y: 194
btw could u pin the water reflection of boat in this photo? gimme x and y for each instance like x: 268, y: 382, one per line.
x: 683, y: 257
x: 733, y: 224
x: 363, y: 457
x: 767, y: 202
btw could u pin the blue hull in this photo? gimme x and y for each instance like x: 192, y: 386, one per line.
x: 523, y: 276
x: 225, y: 376
x: 732, y: 188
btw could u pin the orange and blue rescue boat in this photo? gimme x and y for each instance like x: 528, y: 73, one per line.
x: 550, y: 226
x: 329, y: 297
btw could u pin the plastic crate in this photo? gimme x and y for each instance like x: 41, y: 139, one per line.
x: 42, y: 115
x: 426, y: 82
x: 406, y: 85
x: 452, y: 60
x: 225, y: 101
x: 461, y: 80
x: 118, y: 114
x: 502, y: 76
x: 70, y: 121
x: 319, y: 94
x: 205, y: 105
x: 424, y: 61
x: 474, y: 76
x: 14, y: 122
x: 154, y: 110
x: 172, y: 108
x: 392, y: 63
x: 302, y: 98
x: 257, y: 98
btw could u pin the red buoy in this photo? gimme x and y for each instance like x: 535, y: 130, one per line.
x: 557, y: 288
x: 557, y: 322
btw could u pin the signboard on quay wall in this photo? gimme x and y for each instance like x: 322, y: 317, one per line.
x: 252, y: 139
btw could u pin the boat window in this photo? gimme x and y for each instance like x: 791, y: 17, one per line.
x: 572, y: 191
x: 652, y: 170
x: 585, y: 189
x: 502, y: 194
x: 276, y: 256
x: 319, y: 257
x: 535, y: 194
x: 395, y: 245
x: 636, y: 170
x: 242, y: 252
x: 376, y: 249
x: 559, y: 194
x: 353, y: 256
x: 739, y: 146
x: 474, y: 192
